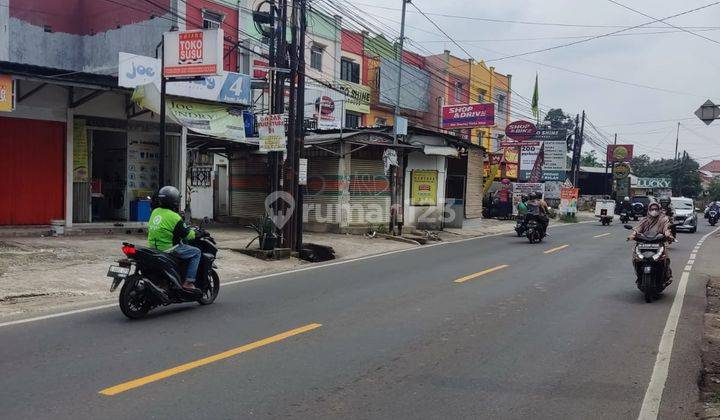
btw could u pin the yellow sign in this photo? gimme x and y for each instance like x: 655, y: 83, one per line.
x: 621, y: 171
x: 6, y: 93
x: 81, y: 169
x: 357, y: 96
x: 424, y: 188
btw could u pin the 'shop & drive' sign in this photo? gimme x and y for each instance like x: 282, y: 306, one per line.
x: 468, y: 115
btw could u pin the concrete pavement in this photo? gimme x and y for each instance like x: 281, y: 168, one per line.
x: 541, y: 331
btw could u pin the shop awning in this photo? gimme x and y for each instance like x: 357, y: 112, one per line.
x: 440, y: 151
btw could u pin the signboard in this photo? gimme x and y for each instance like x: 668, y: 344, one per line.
x: 212, y: 120
x: 520, y: 130
x: 271, y: 129
x: 568, y: 200
x: 423, y: 187
x: 552, y: 190
x: 7, y: 101
x: 193, y: 53
x: 137, y: 70
x: 357, y: 97
x: 708, y: 112
x: 653, y: 183
x: 511, y: 155
x: 81, y: 168
x: 525, y: 188
x: 302, y: 171
x: 468, y: 115
x: 619, y: 153
x: 143, y: 160
x: 511, y: 170
x: 528, y: 156
x: 621, y: 171
x: 555, y: 159
x: 506, y: 144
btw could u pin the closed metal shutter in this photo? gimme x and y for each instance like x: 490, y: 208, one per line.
x: 322, y: 194
x: 369, y: 193
x: 474, y: 185
x: 248, y: 186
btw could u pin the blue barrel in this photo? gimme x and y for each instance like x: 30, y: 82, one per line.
x: 140, y: 210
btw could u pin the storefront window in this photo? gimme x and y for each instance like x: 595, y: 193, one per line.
x: 353, y: 120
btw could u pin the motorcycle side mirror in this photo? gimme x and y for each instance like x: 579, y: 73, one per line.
x: 628, y: 227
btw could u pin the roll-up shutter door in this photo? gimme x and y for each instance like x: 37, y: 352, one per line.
x: 369, y: 193
x: 248, y: 186
x: 474, y: 185
x: 323, y: 191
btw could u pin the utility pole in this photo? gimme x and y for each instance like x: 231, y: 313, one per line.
x: 290, y: 183
x: 677, y: 141
x: 578, y: 149
x: 300, y: 125
x: 161, y: 165
x: 394, y: 207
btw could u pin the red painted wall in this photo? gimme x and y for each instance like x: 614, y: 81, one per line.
x: 32, y: 191
x: 85, y: 17
x: 230, y: 26
x: 353, y: 42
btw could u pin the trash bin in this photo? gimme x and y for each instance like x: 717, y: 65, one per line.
x: 140, y: 210
x: 57, y: 227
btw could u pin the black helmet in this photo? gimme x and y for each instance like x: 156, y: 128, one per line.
x: 664, y: 201
x: 169, y: 197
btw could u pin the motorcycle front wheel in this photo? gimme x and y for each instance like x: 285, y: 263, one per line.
x: 648, y: 287
x: 213, y: 288
x: 134, y: 304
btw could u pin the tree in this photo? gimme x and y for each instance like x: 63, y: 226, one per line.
x: 639, y: 165
x: 590, y: 159
x: 559, y: 119
x: 714, y: 189
x: 683, y: 172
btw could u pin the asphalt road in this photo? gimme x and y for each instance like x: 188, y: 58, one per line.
x: 528, y: 331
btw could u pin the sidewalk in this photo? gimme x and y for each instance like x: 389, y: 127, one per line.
x: 42, y: 273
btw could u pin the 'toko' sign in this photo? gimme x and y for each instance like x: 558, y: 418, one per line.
x: 193, y: 53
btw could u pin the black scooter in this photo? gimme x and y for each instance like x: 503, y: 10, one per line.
x: 154, y: 278
x: 713, y: 217
x: 650, y: 265
x: 534, y: 229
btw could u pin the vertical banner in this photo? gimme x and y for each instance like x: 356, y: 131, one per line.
x: 7, y: 102
x: 271, y: 130
x: 81, y: 168
x: 423, y: 187
x: 536, y: 173
x: 568, y: 200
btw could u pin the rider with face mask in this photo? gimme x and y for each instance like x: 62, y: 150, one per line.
x: 655, y: 222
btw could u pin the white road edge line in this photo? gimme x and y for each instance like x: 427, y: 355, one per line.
x: 280, y: 273
x: 653, y: 395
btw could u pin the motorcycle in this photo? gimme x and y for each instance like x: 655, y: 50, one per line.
x: 638, y: 211
x: 650, y: 264
x: 154, y: 278
x: 534, y: 230
x: 624, y: 216
x: 713, y: 217
x: 520, y: 226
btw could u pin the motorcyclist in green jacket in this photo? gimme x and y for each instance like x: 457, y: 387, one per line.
x: 167, y: 230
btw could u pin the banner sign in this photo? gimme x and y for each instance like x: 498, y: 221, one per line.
x: 193, y: 53
x: 536, y: 173
x: 423, y: 187
x: 519, y: 143
x: 554, y: 153
x: 7, y: 101
x: 468, y: 115
x: 143, y: 160
x: 653, y: 183
x: 511, y: 170
x: 511, y: 155
x: 212, y: 120
x: 528, y: 156
x: 81, y: 168
x: 621, y: 171
x: 357, y: 97
x: 552, y: 189
x: 271, y: 129
x: 137, y: 70
x: 619, y: 153
x: 568, y: 200
x: 520, y: 130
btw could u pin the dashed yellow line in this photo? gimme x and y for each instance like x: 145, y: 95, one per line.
x: 550, y: 251
x: 480, y: 273
x: 602, y: 235
x: 117, y: 389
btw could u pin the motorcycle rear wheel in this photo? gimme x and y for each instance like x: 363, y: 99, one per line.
x: 133, y: 304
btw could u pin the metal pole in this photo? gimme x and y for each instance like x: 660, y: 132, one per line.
x: 300, y: 115
x: 290, y: 182
x: 581, y: 139
x: 677, y: 141
x: 394, y: 208
x: 161, y: 166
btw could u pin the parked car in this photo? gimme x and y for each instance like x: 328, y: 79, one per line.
x: 685, y: 216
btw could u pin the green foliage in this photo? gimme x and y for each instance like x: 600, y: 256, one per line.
x: 568, y: 218
x: 590, y: 159
x: 714, y: 190
x: 683, y: 172
x: 559, y: 119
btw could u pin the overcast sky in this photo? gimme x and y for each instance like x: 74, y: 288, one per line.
x: 675, y: 61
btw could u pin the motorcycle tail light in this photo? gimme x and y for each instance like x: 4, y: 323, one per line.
x: 129, y: 250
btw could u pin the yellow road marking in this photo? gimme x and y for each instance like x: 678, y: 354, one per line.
x: 600, y: 236
x: 481, y: 273
x: 550, y: 251
x: 114, y: 390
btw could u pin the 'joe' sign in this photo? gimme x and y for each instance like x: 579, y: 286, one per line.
x: 468, y: 116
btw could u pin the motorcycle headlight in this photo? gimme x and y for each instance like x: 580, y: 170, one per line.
x: 638, y: 253
x: 659, y: 254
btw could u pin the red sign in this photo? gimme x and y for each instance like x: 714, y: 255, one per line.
x: 260, y: 69
x: 520, y: 130
x: 191, y: 48
x: 519, y: 143
x: 619, y: 153
x: 193, y: 53
x: 496, y: 158
x: 468, y: 115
